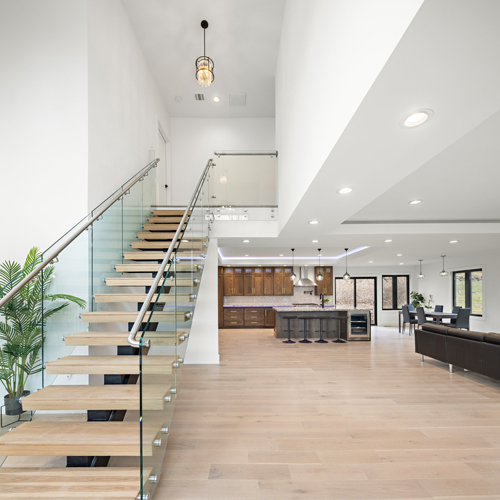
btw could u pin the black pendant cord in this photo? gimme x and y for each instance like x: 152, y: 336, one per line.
x: 204, y: 51
x: 346, y: 260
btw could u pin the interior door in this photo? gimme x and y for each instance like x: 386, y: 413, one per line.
x: 161, y: 194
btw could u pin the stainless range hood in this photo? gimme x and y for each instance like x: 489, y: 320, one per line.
x: 304, y: 280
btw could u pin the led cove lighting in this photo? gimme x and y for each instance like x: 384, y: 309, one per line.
x: 314, y: 222
x: 332, y: 257
x: 414, y: 202
x: 344, y: 190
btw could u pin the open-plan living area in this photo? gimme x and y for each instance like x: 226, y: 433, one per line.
x: 254, y: 251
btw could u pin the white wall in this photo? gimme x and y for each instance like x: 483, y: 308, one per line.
x: 442, y: 288
x: 43, y: 122
x: 330, y: 53
x: 203, y: 344
x: 193, y: 141
x: 125, y: 107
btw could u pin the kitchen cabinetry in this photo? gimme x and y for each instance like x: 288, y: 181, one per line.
x: 269, y: 318
x: 258, y: 281
x: 233, y: 281
x: 268, y: 281
x: 233, y: 317
x: 254, y: 317
x: 248, y: 317
x: 326, y: 285
x: 278, y: 281
x: 287, y: 281
x: 220, y: 296
x: 238, y: 281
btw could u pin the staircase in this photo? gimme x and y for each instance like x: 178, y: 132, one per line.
x: 116, y: 449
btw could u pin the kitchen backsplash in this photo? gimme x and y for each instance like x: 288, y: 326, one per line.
x: 298, y: 297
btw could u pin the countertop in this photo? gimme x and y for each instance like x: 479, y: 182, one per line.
x: 314, y: 309
x: 272, y: 306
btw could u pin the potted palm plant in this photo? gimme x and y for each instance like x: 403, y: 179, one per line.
x: 21, y: 328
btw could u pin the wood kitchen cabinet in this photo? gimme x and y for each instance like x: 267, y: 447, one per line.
x: 220, y: 296
x: 248, y: 281
x: 258, y: 281
x: 278, y: 281
x: 268, y: 281
x: 228, y: 281
x: 254, y: 317
x: 326, y: 285
x: 287, y: 281
x: 233, y: 317
x: 269, y: 318
x: 238, y: 288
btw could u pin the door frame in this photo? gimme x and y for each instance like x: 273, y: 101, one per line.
x: 375, y: 305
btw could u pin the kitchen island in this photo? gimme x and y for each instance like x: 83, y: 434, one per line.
x: 353, y: 324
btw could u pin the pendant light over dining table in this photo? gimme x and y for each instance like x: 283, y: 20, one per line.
x: 444, y: 272
x: 347, y: 276
x: 204, y: 65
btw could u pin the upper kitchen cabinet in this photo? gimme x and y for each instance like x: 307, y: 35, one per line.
x: 287, y: 281
x: 326, y: 285
x: 258, y: 281
x: 268, y: 281
x: 278, y: 281
x: 228, y: 281
x: 238, y: 281
x: 248, y: 284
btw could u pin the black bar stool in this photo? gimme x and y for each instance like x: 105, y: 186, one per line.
x: 320, y: 341
x: 289, y: 331
x: 304, y: 340
x: 339, y: 340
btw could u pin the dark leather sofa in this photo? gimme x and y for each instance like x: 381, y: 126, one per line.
x: 475, y: 351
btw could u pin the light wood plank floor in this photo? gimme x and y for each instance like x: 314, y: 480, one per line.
x: 354, y: 421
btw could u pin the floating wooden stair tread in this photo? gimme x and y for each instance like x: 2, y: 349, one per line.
x: 161, y: 227
x: 130, y: 317
x: 159, y: 256
x: 121, y: 338
x: 161, y: 235
x: 165, y: 298
x: 164, y: 244
x: 73, y: 483
x: 112, y: 439
x: 162, y: 219
x: 110, y: 365
x: 97, y: 397
x: 168, y: 212
x: 149, y: 282
x: 151, y: 268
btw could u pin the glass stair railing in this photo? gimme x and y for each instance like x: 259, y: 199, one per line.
x: 111, y: 304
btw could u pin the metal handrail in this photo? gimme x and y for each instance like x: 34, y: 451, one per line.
x: 145, y: 306
x: 53, y: 255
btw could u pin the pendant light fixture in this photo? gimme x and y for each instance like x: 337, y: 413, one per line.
x: 346, y: 276
x: 443, y: 273
x: 204, y: 65
x: 421, y: 274
x: 293, y: 275
x: 319, y: 276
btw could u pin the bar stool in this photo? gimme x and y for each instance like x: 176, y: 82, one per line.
x: 339, y: 340
x: 289, y: 331
x: 304, y: 340
x: 320, y: 341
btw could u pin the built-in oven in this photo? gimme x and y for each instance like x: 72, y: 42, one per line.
x: 359, y: 325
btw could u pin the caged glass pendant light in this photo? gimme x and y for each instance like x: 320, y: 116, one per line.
x: 319, y: 276
x: 443, y: 273
x: 204, y: 65
x: 346, y: 276
x: 293, y: 275
x: 421, y: 274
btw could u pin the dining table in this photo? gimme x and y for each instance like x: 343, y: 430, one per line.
x: 437, y: 316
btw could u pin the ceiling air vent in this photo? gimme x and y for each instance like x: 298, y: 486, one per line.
x: 199, y: 97
x: 239, y: 99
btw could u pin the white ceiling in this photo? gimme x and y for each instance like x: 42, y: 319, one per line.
x: 445, y: 62
x: 242, y: 39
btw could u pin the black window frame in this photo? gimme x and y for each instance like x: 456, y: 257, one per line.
x: 354, y: 278
x: 395, y: 291
x: 468, y: 289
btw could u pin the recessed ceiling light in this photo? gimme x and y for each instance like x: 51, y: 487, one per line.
x: 314, y: 222
x: 246, y: 241
x: 344, y: 190
x: 387, y: 241
x: 260, y: 265
x: 418, y: 117
x: 228, y: 265
x: 399, y: 255
x: 315, y: 241
x: 216, y: 99
x: 401, y: 263
x: 414, y: 202
x: 454, y: 241
x: 246, y: 255
x: 370, y: 262
x: 281, y: 255
x: 178, y: 98
x: 307, y: 265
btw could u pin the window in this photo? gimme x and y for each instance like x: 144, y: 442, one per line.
x: 357, y: 293
x: 395, y: 291
x: 468, y: 290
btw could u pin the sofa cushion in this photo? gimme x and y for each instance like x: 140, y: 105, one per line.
x: 466, y: 334
x: 431, y: 327
x: 492, y: 338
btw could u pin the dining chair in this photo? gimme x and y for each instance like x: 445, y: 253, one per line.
x: 421, y: 316
x: 411, y: 308
x: 407, y: 318
x: 438, y: 309
x: 454, y: 311
x: 463, y: 318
